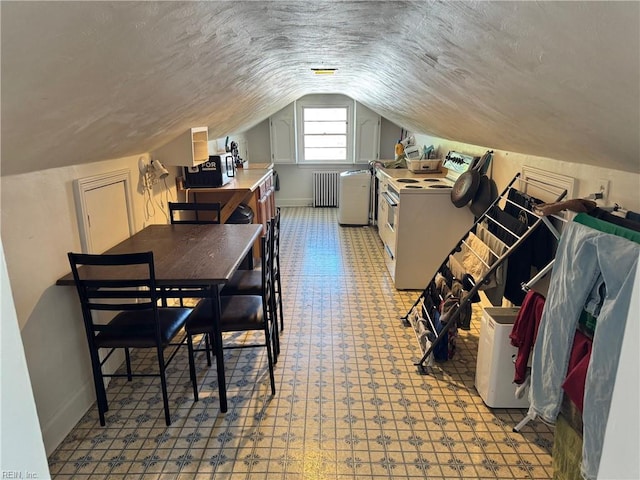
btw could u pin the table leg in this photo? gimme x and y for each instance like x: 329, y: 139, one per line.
x: 217, y: 346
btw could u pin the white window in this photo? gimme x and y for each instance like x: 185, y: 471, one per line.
x: 325, y: 134
x: 325, y: 129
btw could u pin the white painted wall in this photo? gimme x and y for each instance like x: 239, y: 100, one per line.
x: 259, y: 143
x: 296, y: 184
x: 22, y: 453
x: 624, y: 186
x: 39, y: 227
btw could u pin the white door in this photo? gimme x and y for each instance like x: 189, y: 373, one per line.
x: 107, y: 216
x: 105, y: 219
x: 105, y: 210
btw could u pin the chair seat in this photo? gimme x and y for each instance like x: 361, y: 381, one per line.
x: 244, y: 282
x: 135, y: 328
x: 239, y: 313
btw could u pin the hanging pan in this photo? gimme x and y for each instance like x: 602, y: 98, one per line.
x: 486, y: 193
x: 464, y: 190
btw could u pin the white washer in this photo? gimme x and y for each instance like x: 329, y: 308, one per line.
x: 355, y: 188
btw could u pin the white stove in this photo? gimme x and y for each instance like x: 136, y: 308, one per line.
x: 419, y: 225
x: 455, y: 163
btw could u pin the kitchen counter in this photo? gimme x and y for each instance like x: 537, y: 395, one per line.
x: 254, y: 166
x: 247, y: 179
x: 252, y: 186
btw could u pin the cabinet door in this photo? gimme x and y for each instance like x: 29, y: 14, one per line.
x: 263, y: 215
x: 367, y: 136
x: 282, y: 125
x: 272, y: 202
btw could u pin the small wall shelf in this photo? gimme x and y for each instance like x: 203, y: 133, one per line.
x: 187, y: 150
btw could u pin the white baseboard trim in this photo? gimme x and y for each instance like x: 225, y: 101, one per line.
x: 58, y: 427
x: 295, y: 202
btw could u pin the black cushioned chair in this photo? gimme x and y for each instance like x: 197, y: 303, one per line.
x: 250, y: 282
x: 277, y: 284
x: 241, y: 313
x: 125, y: 285
x: 194, y: 213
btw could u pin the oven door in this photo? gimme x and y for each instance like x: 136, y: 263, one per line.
x: 388, y: 220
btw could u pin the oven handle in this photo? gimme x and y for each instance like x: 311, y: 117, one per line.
x: 389, y: 199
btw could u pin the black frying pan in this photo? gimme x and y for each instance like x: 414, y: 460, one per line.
x: 486, y: 193
x: 464, y: 190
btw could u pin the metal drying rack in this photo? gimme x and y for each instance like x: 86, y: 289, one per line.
x: 421, y: 316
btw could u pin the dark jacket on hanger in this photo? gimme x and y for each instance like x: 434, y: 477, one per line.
x: 536, y: 251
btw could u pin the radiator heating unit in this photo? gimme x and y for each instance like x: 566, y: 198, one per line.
x: 326, y: 186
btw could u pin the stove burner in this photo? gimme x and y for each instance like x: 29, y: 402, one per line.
x: 439, y: 186
x: 430, y: 180
x: 407, y: 180
x: 413, y: 186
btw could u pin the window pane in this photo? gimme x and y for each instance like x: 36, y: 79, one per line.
x: 320, y: 128
x: 325, y: 114
x: 325, y: 141
x: 325, y: 133
x: 325, y: 154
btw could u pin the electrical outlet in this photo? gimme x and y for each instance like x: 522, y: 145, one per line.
x: 603, y: 188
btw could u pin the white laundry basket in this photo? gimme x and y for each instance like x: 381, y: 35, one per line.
x: 495, y: 368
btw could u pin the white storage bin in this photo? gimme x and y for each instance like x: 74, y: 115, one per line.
x: 424, y: 166
x: 495, y: 368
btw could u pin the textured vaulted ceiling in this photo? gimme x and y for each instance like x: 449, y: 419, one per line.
x: 89, y: 81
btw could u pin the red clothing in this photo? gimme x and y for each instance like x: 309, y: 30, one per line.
x: 525, y: 330
x: 577, y: 370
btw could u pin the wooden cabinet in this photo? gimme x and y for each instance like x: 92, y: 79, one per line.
x: 188, y: 150
x: 265, y: 195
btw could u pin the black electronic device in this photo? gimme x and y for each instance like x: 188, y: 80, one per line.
x: 215, y: 172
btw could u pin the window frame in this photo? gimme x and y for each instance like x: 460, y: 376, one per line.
x: 325, y: 102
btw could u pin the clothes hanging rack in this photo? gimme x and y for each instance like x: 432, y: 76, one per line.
x: 521, y: 388
x: 424, y: 312
x: 554, y: 231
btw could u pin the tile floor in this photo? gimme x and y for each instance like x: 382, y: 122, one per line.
x: 349, y: 402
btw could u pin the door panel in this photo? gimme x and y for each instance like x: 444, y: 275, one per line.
x: 107, y: 216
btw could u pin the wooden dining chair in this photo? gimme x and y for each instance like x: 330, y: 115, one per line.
x: 125, y: 285
x: 194, y: 213
x: 240, y: 313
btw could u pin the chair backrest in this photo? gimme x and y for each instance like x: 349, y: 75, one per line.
x: 194, y: 213
x: 275, y: 240
x: 116, y: 283
x: 266, y: 243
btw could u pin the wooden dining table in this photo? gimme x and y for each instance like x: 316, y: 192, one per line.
x: 200, y: 256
